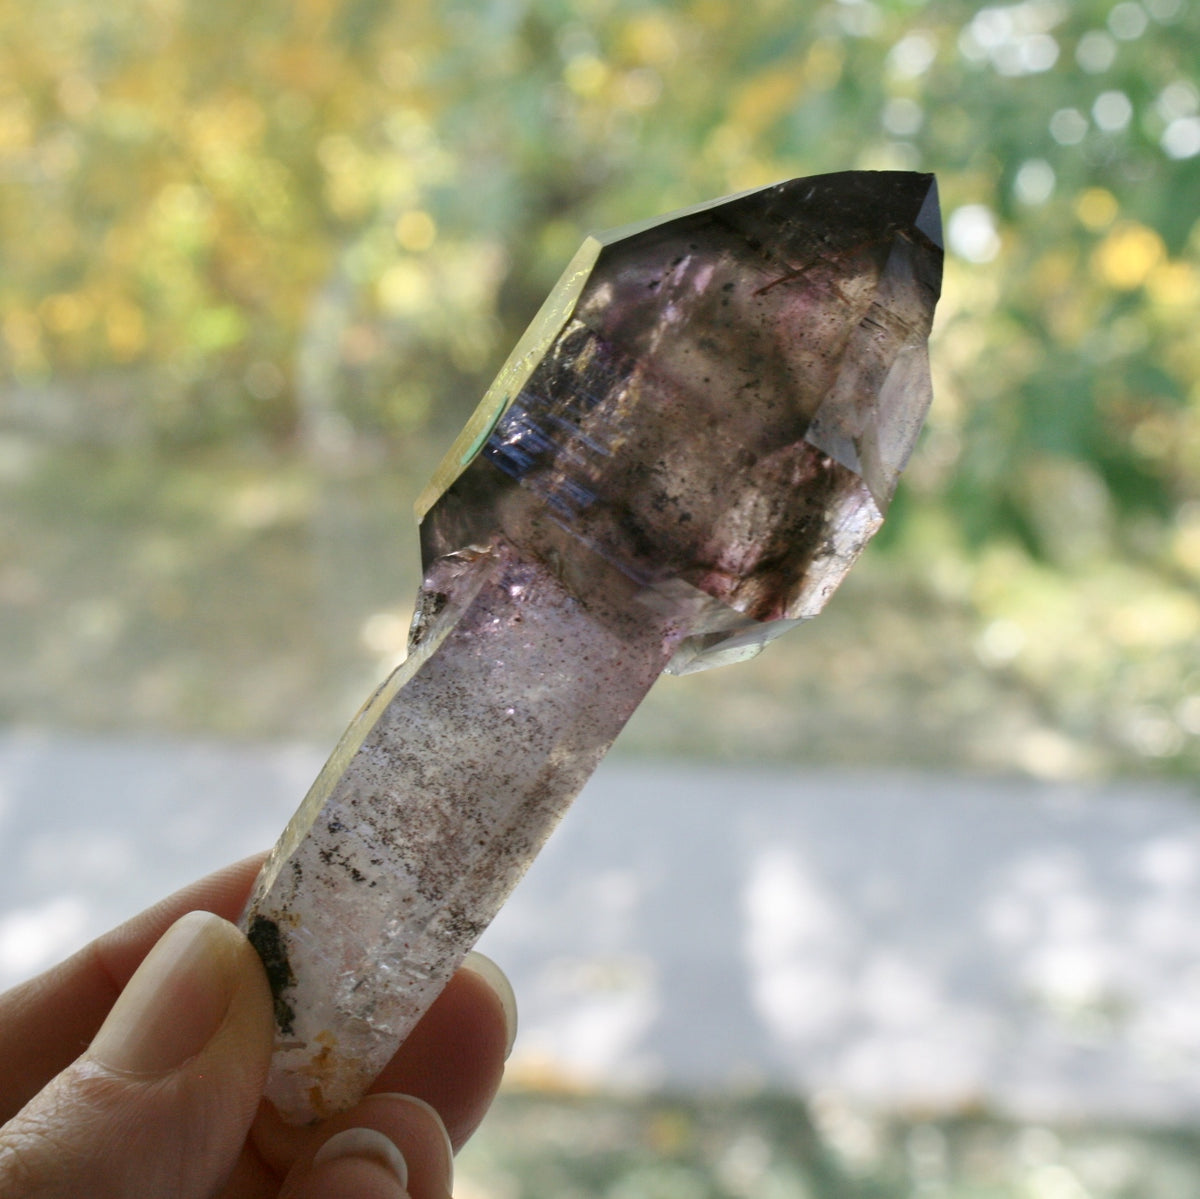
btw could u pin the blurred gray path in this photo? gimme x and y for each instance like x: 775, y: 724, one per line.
x: 914, y: 942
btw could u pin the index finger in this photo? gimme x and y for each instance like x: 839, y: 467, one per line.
x: 47, y: 1022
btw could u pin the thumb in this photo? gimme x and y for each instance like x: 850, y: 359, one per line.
x: 161, y: 1102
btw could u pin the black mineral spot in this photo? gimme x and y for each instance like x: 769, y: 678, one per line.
x: 268, y: 944
x: 430, y: 605
x: 357, y: 875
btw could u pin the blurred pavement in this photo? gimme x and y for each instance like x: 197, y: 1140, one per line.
x: 922, y: 943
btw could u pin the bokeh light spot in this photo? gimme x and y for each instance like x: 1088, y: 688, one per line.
x: 1181, y: 138
x: 1112, y: 111
x: 971, y: 233
x: 912, y: 56
x: 1178, y: 99
x: 1034, y: 182
x: 1068, y: 126
x: 586, y: 75
x: 649, y: 37
x: 1095, y: 52
x: 1127, y: 21
x: 902, y: 116
x: 1128, y: 254
x: 416, y: 230
x: 1096, y: 208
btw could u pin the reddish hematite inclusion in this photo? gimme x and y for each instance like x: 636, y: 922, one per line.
x: 681, y: 459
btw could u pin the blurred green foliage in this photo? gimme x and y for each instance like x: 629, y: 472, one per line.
x: 316, y: 226
x: 542, y: 1146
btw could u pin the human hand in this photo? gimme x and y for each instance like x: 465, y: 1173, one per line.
x: 175, y: 1033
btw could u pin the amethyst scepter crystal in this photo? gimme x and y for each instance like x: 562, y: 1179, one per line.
x: 681, y: 459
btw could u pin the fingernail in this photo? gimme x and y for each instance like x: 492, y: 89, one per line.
x: 368, y: 1143
x: 175, y: 1001
x: 448, y: 1145
x: 484, y: 968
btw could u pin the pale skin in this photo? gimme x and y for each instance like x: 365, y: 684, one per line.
x: 125, y: 1083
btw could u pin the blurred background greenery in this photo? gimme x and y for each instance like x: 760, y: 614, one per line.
x: 258, y: 263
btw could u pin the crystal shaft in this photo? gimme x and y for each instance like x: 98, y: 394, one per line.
x: 432, y: 807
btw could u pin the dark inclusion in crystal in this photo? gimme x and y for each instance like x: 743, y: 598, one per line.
x: 724, y: 397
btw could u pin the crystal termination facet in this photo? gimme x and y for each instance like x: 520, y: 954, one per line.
x: 681, y: 459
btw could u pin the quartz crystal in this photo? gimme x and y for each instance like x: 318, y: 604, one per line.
x: 681, y: 458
